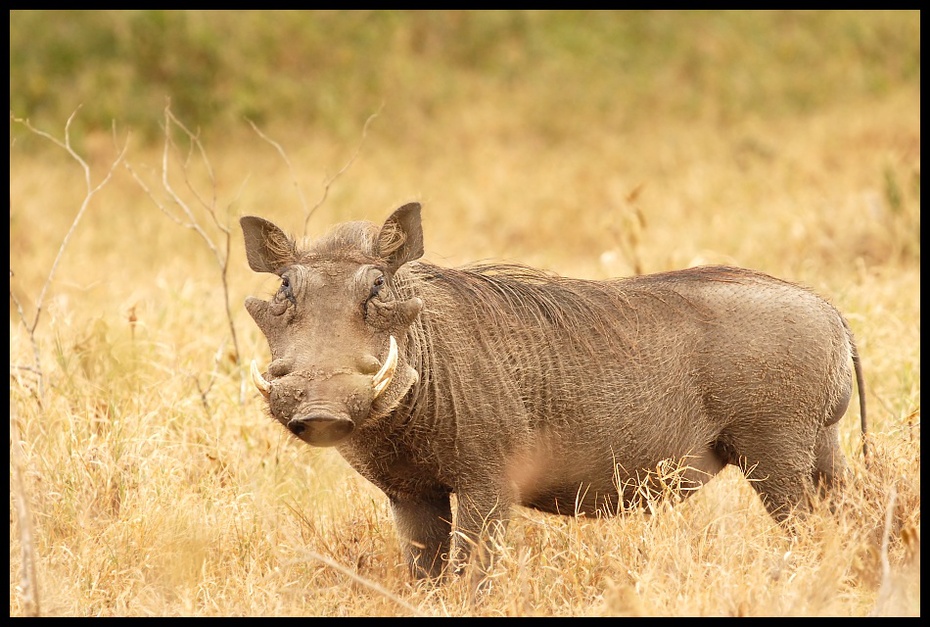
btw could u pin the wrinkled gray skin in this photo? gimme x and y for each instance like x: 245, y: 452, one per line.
x: 514, y: 386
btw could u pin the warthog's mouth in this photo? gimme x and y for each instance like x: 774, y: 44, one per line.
x: 319, y: 427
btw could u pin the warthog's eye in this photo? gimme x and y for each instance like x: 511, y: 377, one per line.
x: 286, y: 290
x: 376, y: 286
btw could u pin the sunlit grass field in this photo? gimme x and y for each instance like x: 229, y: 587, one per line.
x: 156, y: 484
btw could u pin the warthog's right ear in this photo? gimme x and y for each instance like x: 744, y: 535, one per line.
x: 401, y: 237
x: 267, y: 247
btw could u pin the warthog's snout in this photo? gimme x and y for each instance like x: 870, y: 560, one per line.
x: 320, y: 412
x: 321, y: 428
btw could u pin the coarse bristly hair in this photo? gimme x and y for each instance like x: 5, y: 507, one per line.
x: 352, y: 241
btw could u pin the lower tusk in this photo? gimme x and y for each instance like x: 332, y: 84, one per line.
x: 384, y: 376
x: 260, y: 382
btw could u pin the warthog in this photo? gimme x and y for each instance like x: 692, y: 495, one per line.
x: 506, y: 385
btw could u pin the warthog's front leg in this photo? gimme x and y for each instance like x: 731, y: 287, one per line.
x: 482, y: 516
x: 424, y: 527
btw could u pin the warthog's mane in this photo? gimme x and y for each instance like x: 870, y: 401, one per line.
x: 599, y: 315
x: 511, y: 293
x: 362, y: 242
x: 527, y: 293
x: 351, y: 241
x: 498, y: 301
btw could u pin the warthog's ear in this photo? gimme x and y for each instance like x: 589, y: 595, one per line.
x: 267, y: 247
x: 401, y: 237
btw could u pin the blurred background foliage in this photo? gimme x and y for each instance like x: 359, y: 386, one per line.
x: 551, y: 72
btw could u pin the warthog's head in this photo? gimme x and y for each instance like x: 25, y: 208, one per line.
x: 337, y: 325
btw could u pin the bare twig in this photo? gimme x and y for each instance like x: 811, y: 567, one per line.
x: 90, y: 191
x: 186, y: 216
x: 290, y: 167
x: 330, y: 181
x: 30, y: 583
x: 884, y: 590
x: 203, y: 394
x: 359, y: 579
x: 37, y: 368
x: 192, y: 222
x: 348, y: 164
x: 634, y: 224
x: 214, y: 374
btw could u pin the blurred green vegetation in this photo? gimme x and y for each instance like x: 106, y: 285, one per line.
x: 552, y: 71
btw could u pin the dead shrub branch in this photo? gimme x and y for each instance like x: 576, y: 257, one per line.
x: 30, y: 582
x: 185, y: 215
x: 290, y: 167
x: 374, y: 586
x: 90, y: 190
x: 329, y: 182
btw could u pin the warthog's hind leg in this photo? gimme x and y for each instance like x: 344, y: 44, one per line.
x: 780, y: 469
x: 830, y: 466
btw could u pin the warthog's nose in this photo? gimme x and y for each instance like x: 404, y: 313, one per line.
x: 321, y: 428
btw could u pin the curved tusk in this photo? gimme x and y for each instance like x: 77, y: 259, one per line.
x: 260, y: 382
x: 384, y: 376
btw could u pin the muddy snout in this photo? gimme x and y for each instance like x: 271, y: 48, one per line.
x: 320, y: 412
x: 321, y: 409
x: 321, y: 428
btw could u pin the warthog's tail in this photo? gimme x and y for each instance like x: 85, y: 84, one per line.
x: 860, y: 384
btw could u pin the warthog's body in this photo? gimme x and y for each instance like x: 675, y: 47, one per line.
x: 513, y: 386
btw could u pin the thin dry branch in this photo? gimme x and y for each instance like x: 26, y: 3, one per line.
x: 329, y: 182
x: 209, y: 207
x: 359, y: 579
x: 37, y: 369
x: 90, y: 191
x: 290, y: 166
x: 192, y: 222
x: 188, y: 219
x: 30, y: 582
x: 885, y: 588
x: 345, y: 168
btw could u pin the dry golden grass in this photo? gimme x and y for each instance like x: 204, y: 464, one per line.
x: 158, y: 486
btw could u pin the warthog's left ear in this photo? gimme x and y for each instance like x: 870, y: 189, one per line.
x: 267, y: 247
x: 401, y: 237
